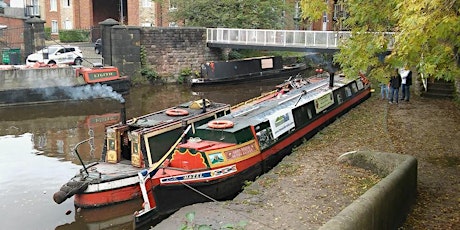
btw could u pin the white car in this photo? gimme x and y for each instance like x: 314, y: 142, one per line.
x: 57, y: 54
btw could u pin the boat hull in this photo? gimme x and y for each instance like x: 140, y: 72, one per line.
x: 171, y: 197
x: 97, y: 196
x: 255, y: 76
x: 116, y: 179
x: 105, y: 184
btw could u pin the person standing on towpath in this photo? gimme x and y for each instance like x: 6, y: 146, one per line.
x: 395, y: 83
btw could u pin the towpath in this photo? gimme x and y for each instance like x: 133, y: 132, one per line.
x: 309, y: 187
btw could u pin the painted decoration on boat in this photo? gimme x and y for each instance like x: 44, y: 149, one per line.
x: 324, y: 102
x: 188, y: 160
x: 211, y: 174
x: 281, y: 122
x: 101, y: 75
x: 233, y: 154
x: 216, y: 158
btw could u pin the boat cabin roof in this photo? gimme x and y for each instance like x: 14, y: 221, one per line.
x: 184, y: 111
x: 254, y: 114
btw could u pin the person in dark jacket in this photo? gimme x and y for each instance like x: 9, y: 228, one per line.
x: 395, y: 83
x: 408, y: 84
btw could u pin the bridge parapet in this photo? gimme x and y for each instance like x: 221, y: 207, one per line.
x: 294, y: 39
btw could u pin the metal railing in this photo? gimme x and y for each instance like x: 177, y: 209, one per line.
x: 279, y: 38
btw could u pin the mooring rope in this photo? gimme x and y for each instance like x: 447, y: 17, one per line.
x: 216, y: 201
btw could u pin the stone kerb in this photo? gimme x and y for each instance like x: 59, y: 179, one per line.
x: 385, y: 205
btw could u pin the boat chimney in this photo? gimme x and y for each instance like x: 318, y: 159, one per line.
x: 331, y: 79
x: 123, y: 113
x: 204, y: 105
x: 184, y: 127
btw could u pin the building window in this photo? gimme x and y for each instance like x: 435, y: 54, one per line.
x: 147, y: 3
x: 54, y: 27
x: 172, y: 5
x: 66, y: 3
x: 36, y: 8
x: 32, y: 8
x: 53, y: 5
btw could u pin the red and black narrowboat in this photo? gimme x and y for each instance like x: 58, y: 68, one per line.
x: 221, y: 155
x: 131, y: 146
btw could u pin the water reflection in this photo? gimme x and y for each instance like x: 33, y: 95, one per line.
x: 119, y: 216
x: 36, y: 152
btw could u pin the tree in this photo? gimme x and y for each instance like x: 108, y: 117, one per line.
x: 265, y: 14
x: 426, y: 36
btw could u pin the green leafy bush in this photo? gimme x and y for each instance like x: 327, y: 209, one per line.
x: 150, y: 74
x: 74, y: 35
x: 48, y: 33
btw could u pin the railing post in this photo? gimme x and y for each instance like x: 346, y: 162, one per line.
x: 293, y: 37
x: 305, y: 40
x: 265, y: 37
x: 314, y: 38
x: 239, y: 36
x: 284, y: 35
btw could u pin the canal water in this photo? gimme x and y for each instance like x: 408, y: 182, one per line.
x: 37, y: 158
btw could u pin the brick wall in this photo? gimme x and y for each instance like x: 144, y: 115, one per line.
x: 169, y: 49
x: 133, y: 12
x: 12, y: 36
x: 12, y: 22
x: 83, y: 11
x: 173, y: 49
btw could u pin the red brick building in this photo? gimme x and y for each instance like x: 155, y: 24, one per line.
x: 86, y: 14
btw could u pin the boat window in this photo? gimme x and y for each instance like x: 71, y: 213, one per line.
x: 360, y: 85
x: 111, y: 144
x: 265, y: 138
x: 353, y: 87
x: 348, y: 91
x: 299, y: 114
x: 339, y: 99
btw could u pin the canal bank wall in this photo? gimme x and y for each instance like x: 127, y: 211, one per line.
x: 17, y: 78
x: 383, y: 206
x: 386, y: 204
